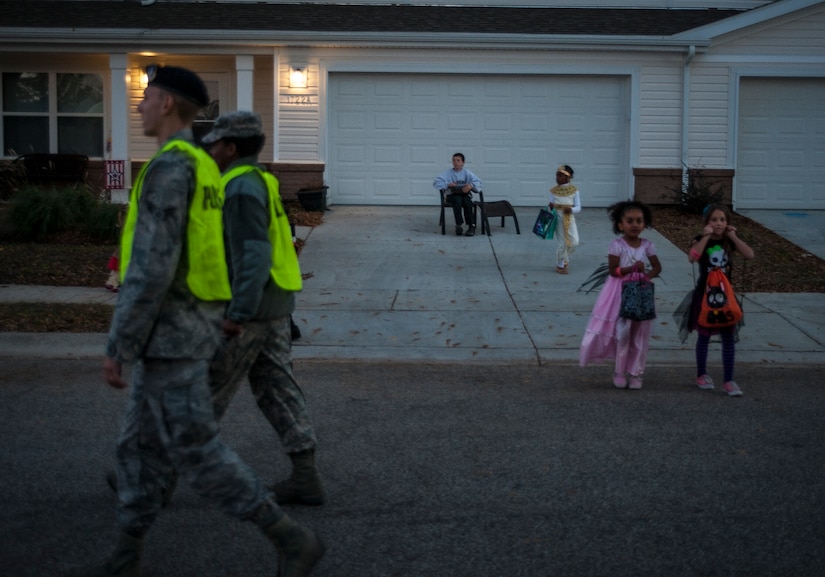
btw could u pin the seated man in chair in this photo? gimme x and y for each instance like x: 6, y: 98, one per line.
x: 459, y: 183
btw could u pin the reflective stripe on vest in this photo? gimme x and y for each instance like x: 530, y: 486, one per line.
x: 208, y: 276
x: 285, y: 270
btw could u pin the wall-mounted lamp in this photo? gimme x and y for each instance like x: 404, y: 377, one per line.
x: 144, y: 79
x: 297, y: 77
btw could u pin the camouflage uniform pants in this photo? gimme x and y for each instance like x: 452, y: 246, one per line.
x: 170, y: 426
x: 263, y: 352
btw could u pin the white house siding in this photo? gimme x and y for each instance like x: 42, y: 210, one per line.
x: 299, y: 112
x: 660, y: 123
x: 796, y: 35
x: 709, y: 126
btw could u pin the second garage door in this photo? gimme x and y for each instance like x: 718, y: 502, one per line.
x: 781, y: 156
x: 390, y: 134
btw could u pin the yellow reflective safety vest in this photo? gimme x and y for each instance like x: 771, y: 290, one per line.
x: 285, y: 270
x: 208, y: 275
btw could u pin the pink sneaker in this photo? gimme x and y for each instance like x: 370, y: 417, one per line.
x: 635, y: 382
x: 704, y: 382
x: 619, y: 381
x: 732, y: 389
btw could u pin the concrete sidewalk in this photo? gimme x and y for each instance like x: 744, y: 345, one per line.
x: 383, y: 283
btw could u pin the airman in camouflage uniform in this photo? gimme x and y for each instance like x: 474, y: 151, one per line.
x: 171, y: 334
x: 258, y: 246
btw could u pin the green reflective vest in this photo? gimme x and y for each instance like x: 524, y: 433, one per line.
x: 208, y: 276
x: 285, y: 270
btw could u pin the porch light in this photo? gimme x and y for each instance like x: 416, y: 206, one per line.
x: 297, y: 77
x: 143, y: 76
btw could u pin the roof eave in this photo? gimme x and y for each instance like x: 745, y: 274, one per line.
x: 31, y: 38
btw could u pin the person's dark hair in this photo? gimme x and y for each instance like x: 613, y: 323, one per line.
x: 461, y: 156
x: 617, y: 211
x: 249, y: 146
x: 569, y: 169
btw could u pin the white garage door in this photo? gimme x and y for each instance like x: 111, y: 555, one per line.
x: 781, y: 155
x: 390, y: 134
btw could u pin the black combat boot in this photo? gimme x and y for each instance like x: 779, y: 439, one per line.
x: 299, y: 548
x: 124, y: 561
x: 304, y: 486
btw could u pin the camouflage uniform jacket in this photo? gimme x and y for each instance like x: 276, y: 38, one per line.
x: 255, y: 296
x: 156, y: 314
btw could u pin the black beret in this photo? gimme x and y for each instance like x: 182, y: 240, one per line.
x: 180, y: 81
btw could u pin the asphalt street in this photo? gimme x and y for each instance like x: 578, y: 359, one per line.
x: 452, y: 469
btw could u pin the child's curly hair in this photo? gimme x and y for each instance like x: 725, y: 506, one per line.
x: 617, y: 210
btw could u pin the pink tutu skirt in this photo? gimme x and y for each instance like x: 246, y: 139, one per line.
x: 600, y: 335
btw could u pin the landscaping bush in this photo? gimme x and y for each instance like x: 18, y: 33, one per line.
x: 103, y: 222
x: 38, y: 213
x: 699, y: 192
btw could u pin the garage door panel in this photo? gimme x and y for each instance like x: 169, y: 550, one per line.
x: 386, y: 188
x: 572, y: 123
x: 535, y: 158
x: 497, y: 188
x: 819, y: 193
x: 534, y: 122
x: 575, y: 157
x: 460, y: 89
x: 779, y: 120
x: 424, y: 155
x: 349, y: 189
x: 351, y: 88
x: 606, y: 158
x: 424, y: 121
x: 350, y: 155
x: 497, y: 122
x: 387, y: 154
x: 391, y: 88
x: 755, y: 126
x: 756, y: 192
x: 789, y: 192
x: 792, y: 159
x: 422, y: 191
x: 753, y: 159
x: 387, y: 121
x: 458, y: 121
x: 350, y: 120
x: 496, y: 152
x: 818, y: 155
x: 513, y: 133
x: 598, y: 192
x: 791, y: 127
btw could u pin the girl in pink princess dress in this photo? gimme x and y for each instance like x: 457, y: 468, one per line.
x: 608, y: 336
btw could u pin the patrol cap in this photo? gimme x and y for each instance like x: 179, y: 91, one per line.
x: 240, y: 124
x: 180, y: 81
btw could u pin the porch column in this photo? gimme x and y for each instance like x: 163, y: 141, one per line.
x: 117, y: 144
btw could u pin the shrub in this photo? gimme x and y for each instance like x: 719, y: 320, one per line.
x: 699, y: 192
x: 39, y: 212
x: 102, y: 223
